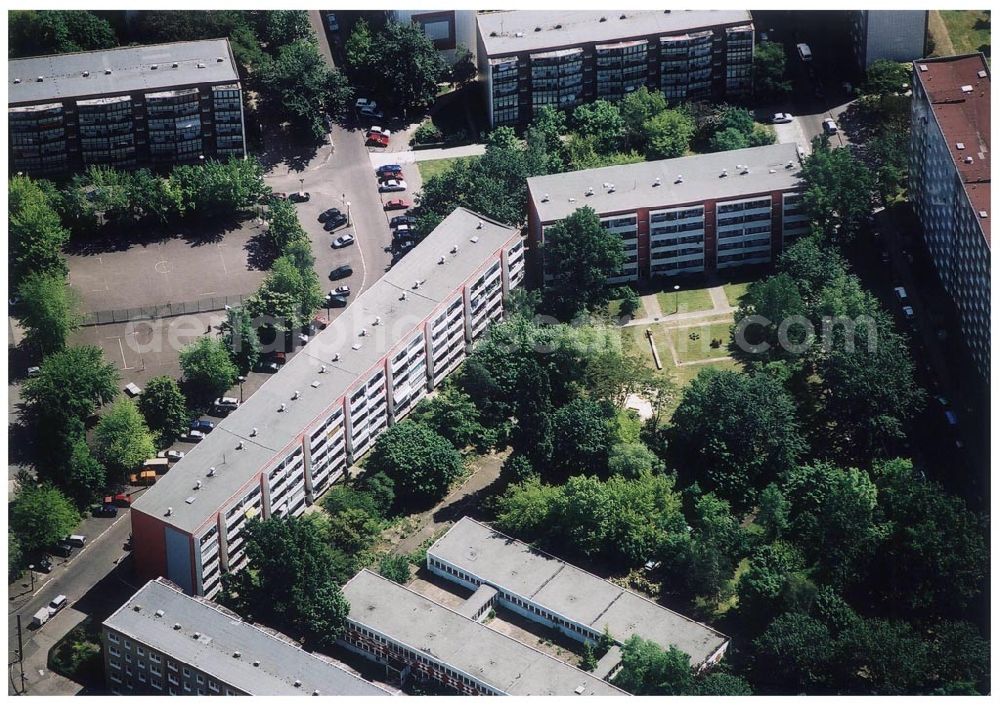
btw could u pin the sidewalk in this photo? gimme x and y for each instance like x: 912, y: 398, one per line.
x: 425, y: 155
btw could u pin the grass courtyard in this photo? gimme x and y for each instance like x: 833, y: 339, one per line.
x: 434, y: 167
x: 969, y: 30
x: 684, y: 301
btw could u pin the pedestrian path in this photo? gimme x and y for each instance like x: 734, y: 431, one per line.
x: 425, y: 155
x: 719, y: 300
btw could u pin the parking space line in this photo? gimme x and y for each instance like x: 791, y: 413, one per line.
x: 225, y: 269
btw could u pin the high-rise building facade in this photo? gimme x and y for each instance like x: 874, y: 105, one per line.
x: 949, y: 185
x: 529, y: 59
x: 324, y: 409
x: 895, y: 35
x: 152, y: 105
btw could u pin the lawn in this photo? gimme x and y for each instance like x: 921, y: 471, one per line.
x: 437, y: 166
x: 615, y: 303
x: 687, y: 300
x: 735, y: 291
x: 969, y: 30
x: 694, y: 344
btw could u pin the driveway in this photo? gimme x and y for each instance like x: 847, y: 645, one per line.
x: 805, y: 126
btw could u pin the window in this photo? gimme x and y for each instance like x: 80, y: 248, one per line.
x: 114, y: 651
x: 139, y: 651
x: 113, y: 638
x: 172, y: 679
x: 128, y: 645
x: 200, y: 678
x: 155, y: 658
x: 156, y: 683
x: 187, y: 672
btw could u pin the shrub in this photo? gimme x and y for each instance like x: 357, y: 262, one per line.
x: 396, y: 568
x: 427, y: 133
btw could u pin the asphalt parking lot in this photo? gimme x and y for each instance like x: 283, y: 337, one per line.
x: 170, y: 270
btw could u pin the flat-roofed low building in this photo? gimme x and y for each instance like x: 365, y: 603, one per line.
x: 545, y: 589
x: 163, y: 642
x: 697, y: 214
x: 144, y: 105
x: 411, y: 634
x: 532, y: 58
x: 326, y: 407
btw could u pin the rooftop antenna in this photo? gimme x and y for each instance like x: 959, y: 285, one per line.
x: 656, y: 181
x: 211, y: 471
x: 282, y: 407
x: 197, y: 485
x: 322, y: 369
x: 253, y: 431
x: 679, y: 179
x: 377, y: 321
x: 240, y: 446
x: 296, y: 395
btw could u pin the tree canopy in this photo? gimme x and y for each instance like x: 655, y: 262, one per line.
x: 40, y: 32
x: 71, y: 384
x: 769, y: 78
x: 35, y: 232
x: 208, y: 368
x: 47, y: 312
x: 41, y: 516
x: 122, y: 440
x: 421, y: 463
x: 164, y: 407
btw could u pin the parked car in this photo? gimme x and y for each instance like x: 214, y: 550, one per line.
x: 329, y: 213
x: 805, y: 53
x: 387, y: 168
x: 403, y: 230
x: 120, y: 500
x: 901, y: 294
x: 43, y: 565
x: 343, y: 290
x: 365, y: 103
x: 402, y: 220
x: 57, y: 603
x: 299, y: 197
x: 61, y: 549
x: 227, y: 403
x: 320, y: 322
x: 203, y: 425
x: 830, y: 127
x: 334, y: 222
x: 380, y: 130
x: 908, y: 313
x: 331, y: 22
x: 405, y: 246
x: 105, y: 510
x: 148, y: 477
x: 390, y: 175
x: 369, y: 111
x: 392, y: 185
x: 344, y: 240
x: 133, y: 390
x: 192, y: 437
x: 397, y: 204
x: 374, y: 139
x: 76, y: 540
x: 40, y: 617
x: 781, y: 118
x: 34, y: 371
x: 334, y: 301
x: 341, y: 272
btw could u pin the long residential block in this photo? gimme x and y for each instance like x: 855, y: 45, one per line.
x: 893, y: 35
x: 529, y: 59
x: 410, y: 634
x: 550, y: 591
x: 950, y: 185
x: 162, y: 642
x: 153, y: 105
x: 695, y: 214
x: 325, y: 408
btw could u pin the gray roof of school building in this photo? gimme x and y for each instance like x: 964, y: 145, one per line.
x: 564, y: 29
x: 276, y: 431
x: 220, y: 636
x: 579, y: 596
x: 635, y: 185
x: 63, y: 75
x: 463, y: 644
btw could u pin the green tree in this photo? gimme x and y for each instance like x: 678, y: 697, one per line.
x: 14, y: 556
x: 359, y: 51
x: 795, y: 650
x: 633, y: 460
x: 668, y: 134
x: 959, y: 653
x: 36, y: 235
x: 649, y: 670
x: 775, y: 581
x: 735, y: 432
x: 406, y: 67
x: 630, y: 302
x: 582, y: 255
x: 636, y: 108
x: 602, y: 121
x: 71, y: 384
x: 47, y: 312
x: 41, y: 516
x: 164, y: 407
x: 722, y: 684
x: 726, y: 139
x: 839, y: 191
x: 286, y: 298
x: 766, y: 328
x: 885, y: 76
x: 276, y: 28
x: 453, y: 415
x: 582, y: 435
x: 301, y: 89
x: 420, y: 462
x: 769, y: 79
x: 219, y: 189
x: 382, y: 489
x: 122, y: 440
x: 464, y: 67
x: 39, y: 32
x: 544, y: 135
x: 290, y: 580
x: 717, y: 545
x: 396, y: 568
x: 588, y: 661
x: 283, y: 224
x: 84, y: 476
x: 207, y: 367
x: 813, y: 266
x: 583, y: 151
x: 773, y: 512
x: 354, y: 530
x: 241, y: 338
x: 882, y: 657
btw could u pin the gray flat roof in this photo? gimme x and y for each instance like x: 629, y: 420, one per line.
x: 560, y: 28
x: 635, y: 184
x: 577, y: 595
x: 222, y: 634
x: 465, y: 645
x: 131, y: 71
x: 277, y: 430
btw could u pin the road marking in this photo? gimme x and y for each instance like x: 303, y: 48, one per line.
x: 225, y: 269
x: 124, y: 362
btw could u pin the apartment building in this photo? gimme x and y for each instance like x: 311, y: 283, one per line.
x: 528, y: 59
x: 412, y: 635
x: 154, y: 105
x: 895, y: 35
x: 324, y: 409
x: 162, y: 642
x: 950, y: 185
x: 544, y: 589
x: 448, y: 29
x: 697, y: 214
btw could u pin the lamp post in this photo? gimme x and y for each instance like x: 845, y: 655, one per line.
x: 302, y: 185
x: 242, y: 379
x: 31, y: 572
x: 348, y: 204
x: 677, y: 288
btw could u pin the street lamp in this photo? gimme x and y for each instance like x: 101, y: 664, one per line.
x: 242, y: 379
x: 677, y: 288
x: 348, y: 204
x: 31, y: 572
x: 302, y: 184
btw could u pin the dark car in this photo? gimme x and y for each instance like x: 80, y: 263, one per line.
x: 341, y: 272
x: 334, y: 222
x: 61, y: 549
x: 202, y: 425
x: 43, y: 565
x: 328, y: 213
x: 386, y: 168
x: 299, y: 197
x: 402, y: 220
x: 336, y: 301
x: 106, y: 510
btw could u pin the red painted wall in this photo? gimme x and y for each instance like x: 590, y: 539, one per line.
x: 148, y: 546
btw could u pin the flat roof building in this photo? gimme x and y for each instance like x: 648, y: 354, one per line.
x: 546, y: 589
x: 949, y: 185
x: 148, y: 105
x: 324, y: 409
x: 528, y: 58
x: 163, y: 642
x: 693, y: 214
x: 408, y: 632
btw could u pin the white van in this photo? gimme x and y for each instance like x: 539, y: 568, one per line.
x: 76, y: 540
x: 805, y: 53
x: 40, y: 617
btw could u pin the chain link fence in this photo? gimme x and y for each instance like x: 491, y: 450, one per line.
x: 141, y: 313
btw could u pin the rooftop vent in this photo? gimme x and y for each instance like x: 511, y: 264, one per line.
x: 983, y: 214
x: 441, y: 259
x: 190, y: 500
x: 967, y: 89
x: 336, y: 356
x: 211, y: 472
x: 518, y: 34
x: 364, y: 332
x: 256, y: 663
x: 969, y: 160
x: 356, y: 346
x: 86, y: 74
x: 315, y: 692
x: 17, y: 80
x: 170, y: 510
x: 282, y: 407
x: 416, y: 284
x: 253, y: 431
x: 402, y: 297
x: 219, y: 59
x: 474, y: 239
x: 197, y: 635
x: 493, y: 34
x: 201, y: 65
x: 137, y: 608
x: 107, y: 72
x: 159, y: 613
x: 789, y: 165
x: 377, y: 321
x: 240, y: 446
x: 558, y: 26
x: 745, y: 170
x: 322, y: 369
x: 296, y: 394
x: 479, y: 225
x: 297, y: 683
x: 923, y: 67
x: 611, y: 188
x: 154, y: 67
x: 981, y: 73
x: 604, y: 19
x: 770, y: 171
x: 545, y: 196
x: 656, y: 181
x: 572, y: 200
x: 725, y: 172
x: 197, y: 484
x: 40, y: 79
x: 580, y: 689
x: 679, y: 179
x: 960, y: 145
x: 538, y: 29
x: 621, y: 17
x: 236, y: 654
x: 174, y: 65
x: 590, y: 191
x: 177, y: 626
x: 454, y: 250
x: 315, y: 383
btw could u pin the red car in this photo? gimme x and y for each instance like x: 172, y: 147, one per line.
x: 396, y: 204
x: 385, y: 176
x: 119, y: 500
x: 375, y: 139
